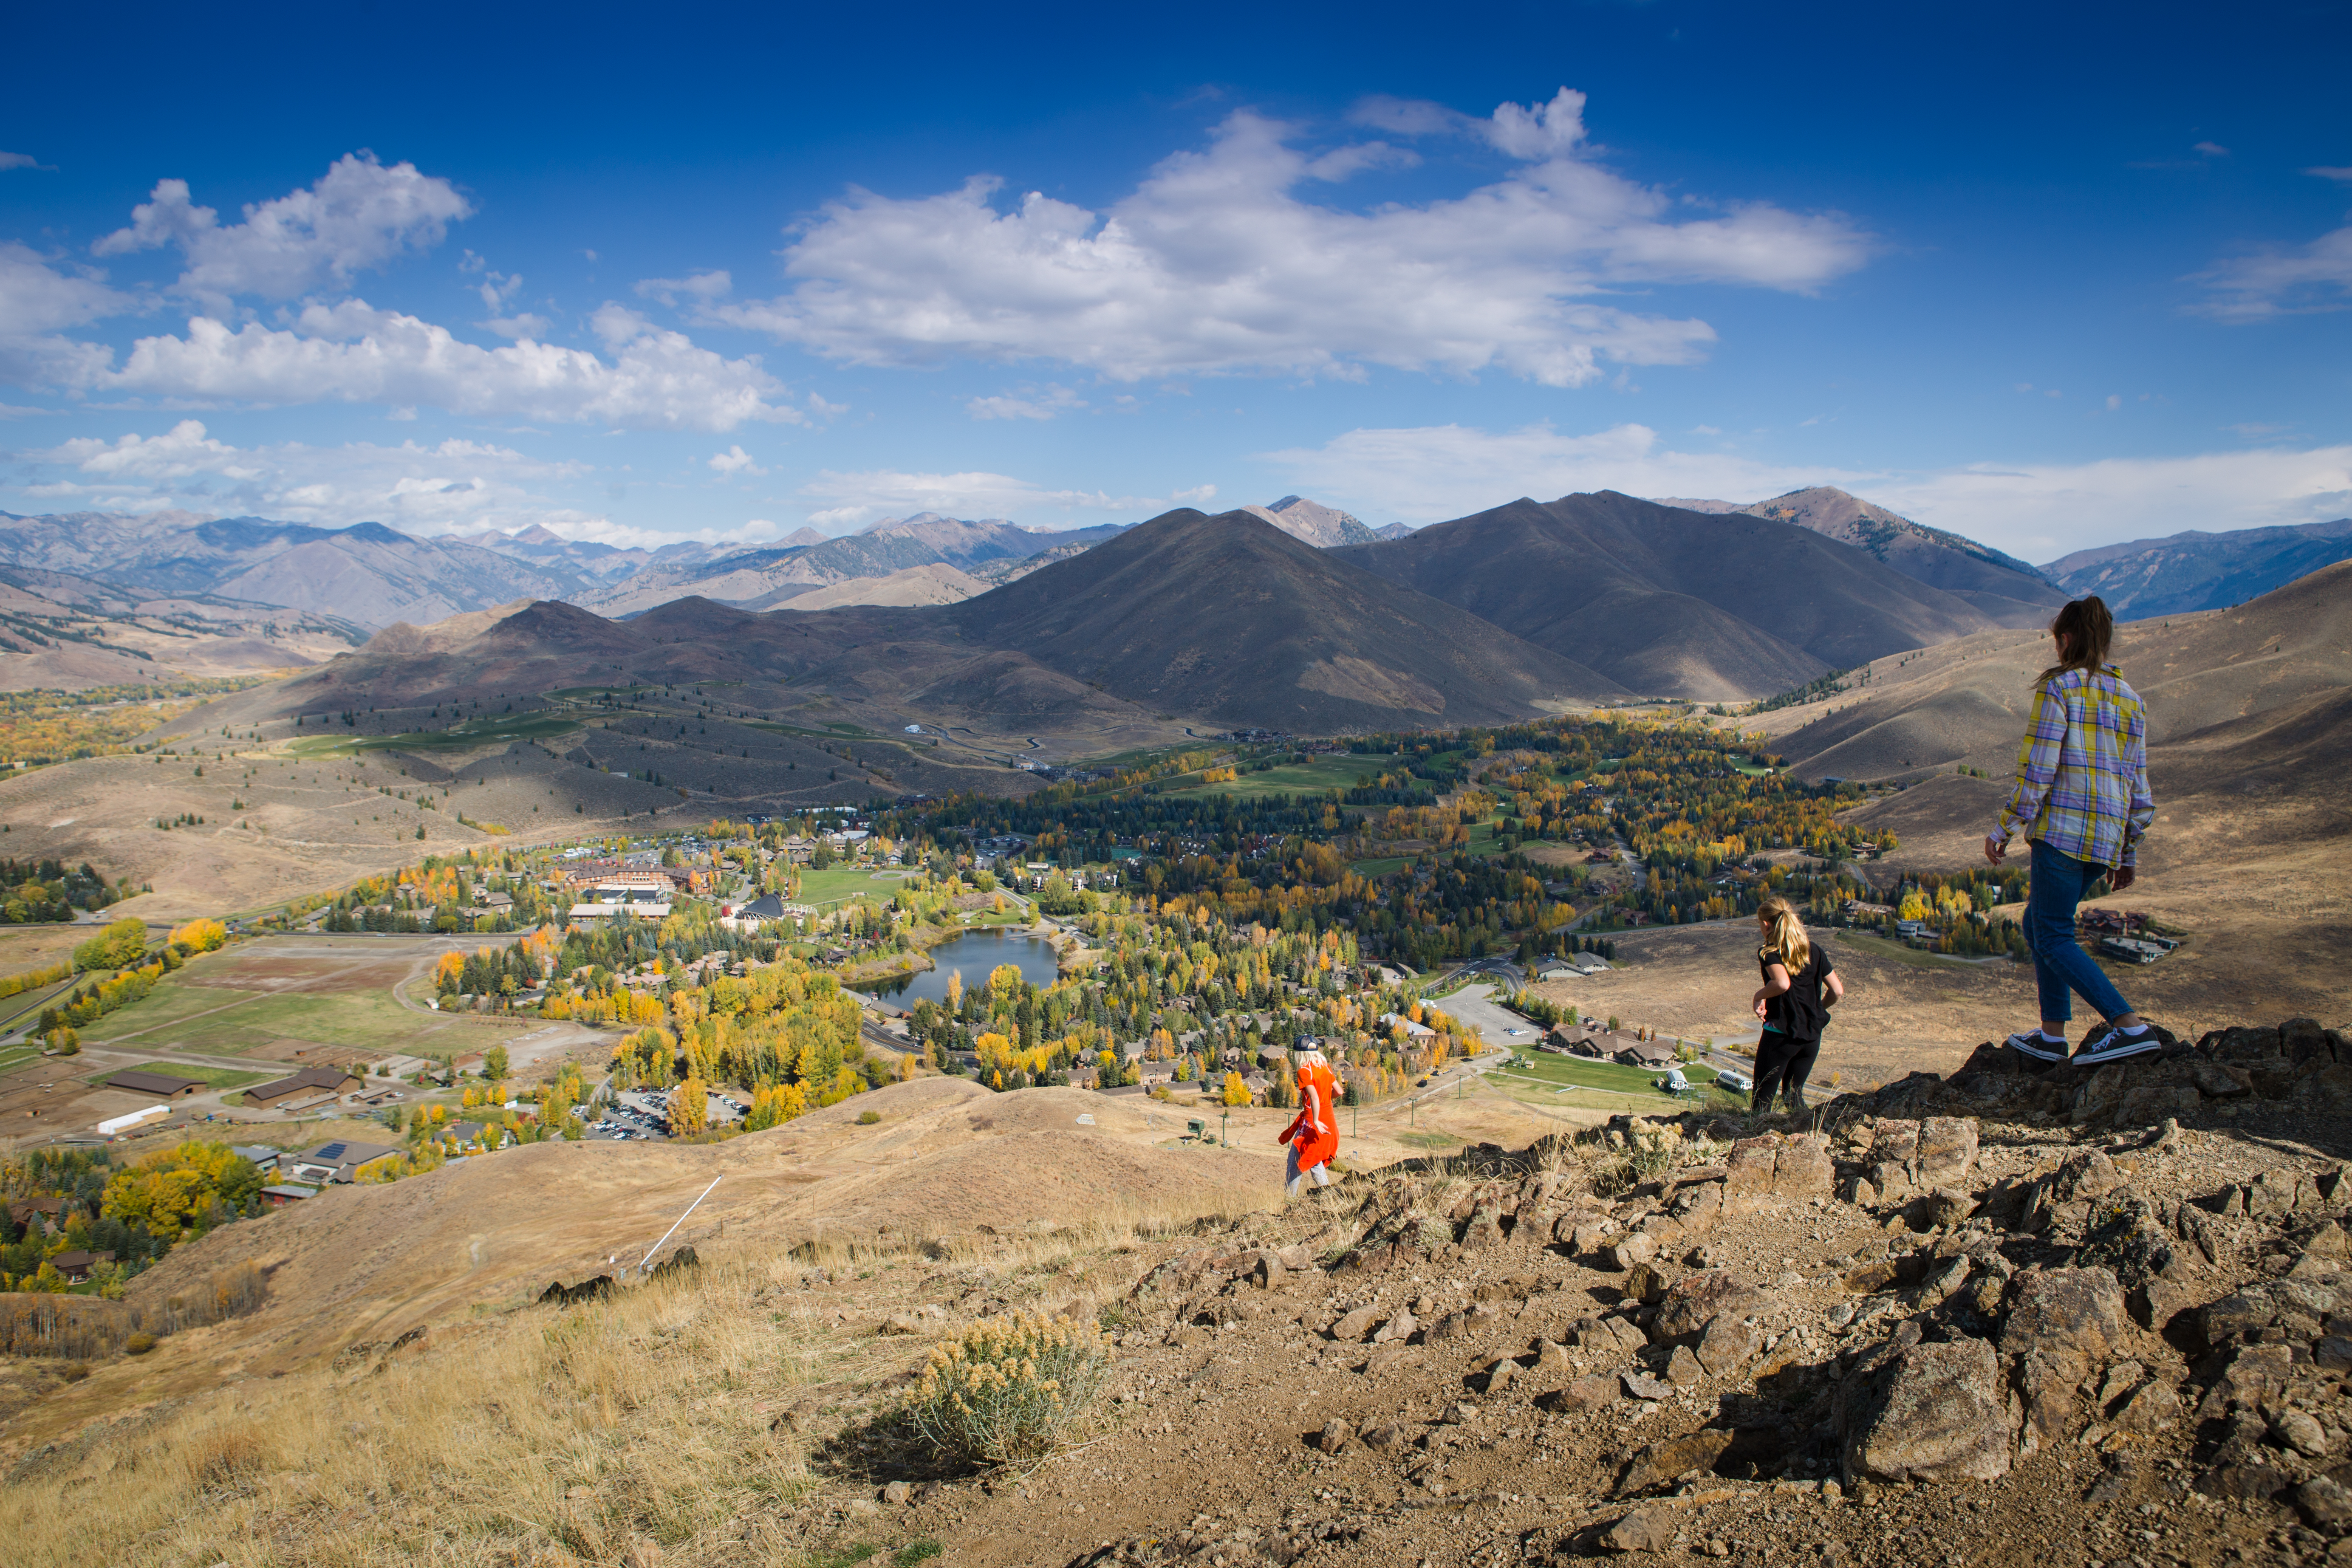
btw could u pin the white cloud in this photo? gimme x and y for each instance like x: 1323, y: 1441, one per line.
x: 2341, y: 175
x: 23, y: 161
x: 2211, y: 148
x: 735, y: 460
x: 2037, y: 512
x: 454, y: 485
x: 1215, y: 265
x: 1034, y: 404
x: 703, y: 287
x: 2290, y: 280
x: 351, y: 353
x: 858, y: 497
x: 35, y: 300
x: 519, y: 326
x: 358, y: 215
x: 2040, y: 511
x: 1433, y: 472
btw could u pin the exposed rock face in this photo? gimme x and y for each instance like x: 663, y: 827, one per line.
x: 1696, y: 1300
x: 1776, y: 1168
x: 1927, y: 1413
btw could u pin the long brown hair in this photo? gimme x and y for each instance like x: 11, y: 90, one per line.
x: 1785, y: 934
x: 2087, y: 629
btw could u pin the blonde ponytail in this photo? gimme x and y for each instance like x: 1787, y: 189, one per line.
x: 1786, y: 935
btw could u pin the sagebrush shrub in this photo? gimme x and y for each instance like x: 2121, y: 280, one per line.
x: 1008, y: 1388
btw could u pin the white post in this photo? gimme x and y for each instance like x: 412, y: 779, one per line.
x: 696, y: 1204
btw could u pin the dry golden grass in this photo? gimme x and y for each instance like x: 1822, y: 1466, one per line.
x: 543, y: 1435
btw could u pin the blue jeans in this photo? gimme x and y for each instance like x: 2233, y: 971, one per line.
x: 2061, y: 967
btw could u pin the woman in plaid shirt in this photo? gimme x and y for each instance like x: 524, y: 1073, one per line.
x: 2082, y: 800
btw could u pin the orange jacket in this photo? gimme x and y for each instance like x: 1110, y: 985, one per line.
x: 1315, y: 1132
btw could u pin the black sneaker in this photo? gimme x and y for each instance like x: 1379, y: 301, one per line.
x: 2112, y: 1045
x: 2031, y: 1044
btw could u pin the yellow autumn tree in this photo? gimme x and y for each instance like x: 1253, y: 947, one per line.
x: 955, y: 988
x: 689, y: 1106
x: 200, y: 935
x: 1236, y: 1091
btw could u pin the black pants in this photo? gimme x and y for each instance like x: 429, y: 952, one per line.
x: 1781, y: 1065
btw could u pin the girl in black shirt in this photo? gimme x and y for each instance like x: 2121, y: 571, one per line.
x: 1794, y: 1002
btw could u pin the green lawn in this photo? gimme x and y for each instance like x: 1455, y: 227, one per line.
x: 836, y: 883
x: 1379, y: 868
x: 365, y: 1020
x: 465, y: 736
x: 212, y: 1077
x: 1313, y: 776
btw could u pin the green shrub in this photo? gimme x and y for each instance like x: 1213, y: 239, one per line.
x: 122, y: 944
x: 1008, y: 1388
x: 139, y: 1345
x: 868, y: 1118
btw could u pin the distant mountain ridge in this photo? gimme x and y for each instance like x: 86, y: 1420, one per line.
x: 1311, y: 522
x: 1669, y: 602
x: 2008, y: 590
x: 2197, y: 571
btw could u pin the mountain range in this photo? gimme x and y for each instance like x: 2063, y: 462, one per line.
x: 2196, y: 570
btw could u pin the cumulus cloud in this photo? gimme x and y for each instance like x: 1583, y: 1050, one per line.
x: 2037, y: 512
x: 353, y: 352
x: 851, y: 499
x: 35, y: 300
x: 1215, y: 264
x: 454, y: 485
x: 733, y: 461
x: 2289, y: 280
x: 359, y: 215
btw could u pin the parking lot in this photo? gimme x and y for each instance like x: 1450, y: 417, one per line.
x: 643, y: 1113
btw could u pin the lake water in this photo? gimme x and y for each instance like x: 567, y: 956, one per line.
x: 975, y: 954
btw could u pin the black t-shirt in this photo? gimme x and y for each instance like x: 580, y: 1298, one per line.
x: 1800, y: 1011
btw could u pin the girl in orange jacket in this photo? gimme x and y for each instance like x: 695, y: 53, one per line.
x: 1314, y: 1136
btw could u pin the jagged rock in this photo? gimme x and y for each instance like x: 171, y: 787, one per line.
x: 1552, y: 1357
x: 2156, y: 1408
x: 1695, y: 1299
x: 1335, y: 1436
x: 1661, y: 1464
x: 1485, y: 1229
x: 1296, y: 1258
x: 1862, y: 1194
x: 2296, y: 1429
x: 1384, y: 1437
x: 1777, y: 1167
x: 896, y: 1493
x: 1642, y: 1385
x: 1644, y: 1284
x: 1613, y: 1333
x: 1682, y: 1368
x: 2324, y: 1501
x: 1947, y: 1150
x: 2218, y: 1080
x: 1939, y: 1284
x: 1941, y: 1210
x: 1580, y: 1394
x: 2252, y: 1375
x: 2071, y: 1317
x: 1871, y: 1277
x: 1396, y: 1329
x: 1892, y: 1182
x: 1728, y: 1343
x: 1353, y: 1326
x: 1500, y: 1375
x: 1651, y: 1530
x: 1927, y: 1413
x: 1639, y: 1247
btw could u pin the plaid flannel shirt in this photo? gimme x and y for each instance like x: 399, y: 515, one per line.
x: 2082, y: 772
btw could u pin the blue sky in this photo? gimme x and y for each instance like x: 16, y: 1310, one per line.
x: 2051, y: 281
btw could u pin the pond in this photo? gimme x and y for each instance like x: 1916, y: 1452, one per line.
x: 975, y: 954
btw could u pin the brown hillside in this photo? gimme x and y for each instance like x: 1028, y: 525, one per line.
x: 1233, y: 619
x: 1673, y: 602
x: 1964, y: 702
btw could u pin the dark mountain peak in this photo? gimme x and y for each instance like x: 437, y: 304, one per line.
x: 376, y: 533
x: 241, y: 534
